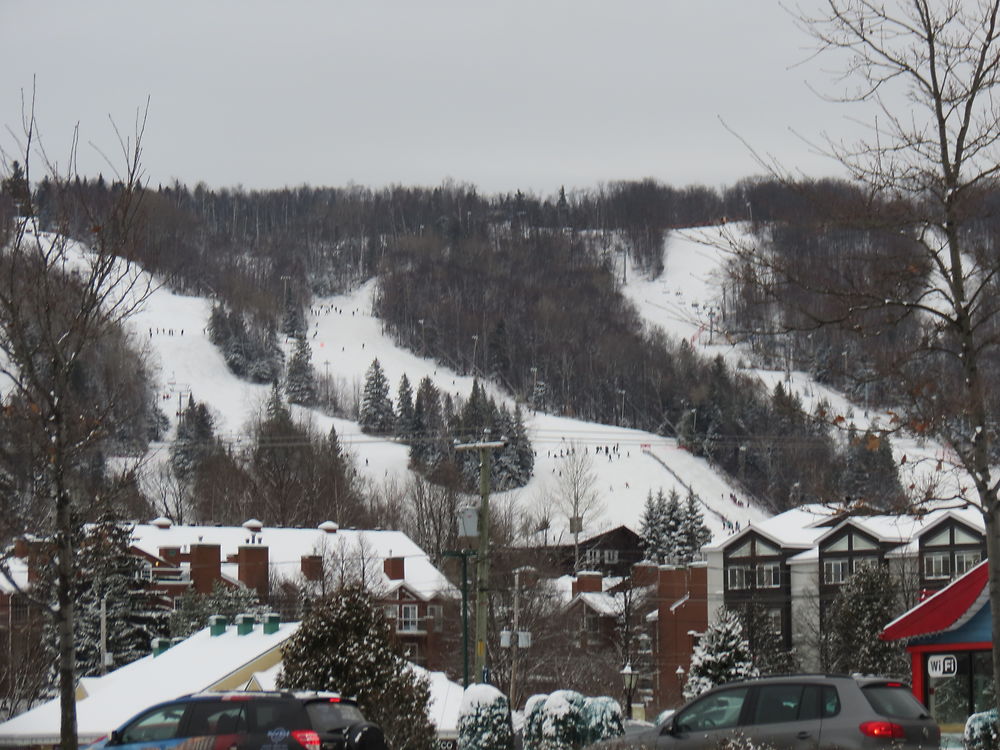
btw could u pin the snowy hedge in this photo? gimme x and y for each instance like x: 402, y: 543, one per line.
x: 982, y: 732
x: 566, y: 720
x: 484, y: 720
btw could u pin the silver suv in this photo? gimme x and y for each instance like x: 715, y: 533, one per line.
x: 799, y: 712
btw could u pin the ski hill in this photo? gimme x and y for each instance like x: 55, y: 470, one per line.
x: 627, y: 464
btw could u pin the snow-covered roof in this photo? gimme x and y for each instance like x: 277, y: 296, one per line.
x: 201, y: 662
x: 601, y: 602
x: 797, y: 527
x: 286, y: 547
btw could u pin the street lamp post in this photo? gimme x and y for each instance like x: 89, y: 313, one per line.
x: 629, y: 679
x: 515, y: 643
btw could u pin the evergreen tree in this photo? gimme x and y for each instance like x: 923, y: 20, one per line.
x: 195, y: 440
x: 110, y: 574
x: 865, y: 603
x: 670, y: 540
x: 769, y: 653
x: 722, y: 655
x: 484, y: 720
x: 192, y: 610
x: 300, y: 382
x: 344, y: 644
x: 870, y: 472
x: 377, y: 416
x: 692, y: 533
x: 649, y: 529
x: 293, y: 322
x: 15, y: 186
x: 406, y: 417
x: 430, y: 442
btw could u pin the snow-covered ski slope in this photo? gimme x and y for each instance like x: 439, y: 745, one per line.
x: 345, y: 337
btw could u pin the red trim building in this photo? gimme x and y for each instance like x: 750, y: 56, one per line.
x: 949, y: 640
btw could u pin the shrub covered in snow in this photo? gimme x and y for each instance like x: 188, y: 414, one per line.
x: 564, y: 726
x: 566, y: 720
x: 484, y: 720
x: 982, y: 732
x: 603, y: 717
x: 534, y: 712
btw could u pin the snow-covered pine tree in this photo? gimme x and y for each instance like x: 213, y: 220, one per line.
x: 523, y: 448
x: 769, y: 653
x: 564, y: 726
x: 670, y: 532
x: 344, y: 644
x: 109, y: 572
x: 405, y: 416
x: 649, y: 530
x: 425, y: 448
x: 722, y: 655
x: 293, y: 322
x: 603, y: 716
x: 692, y: 533
x: 865, y: 603
x: 195, y: 439
x: 504, y: 468
x: 484, y: 720
x: 377, y: 416
x: 300, y: 380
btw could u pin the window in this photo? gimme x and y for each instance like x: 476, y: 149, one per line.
x: 775, y: 619
x: 965, y: 561
x: 739, y: 577
x: 965, y: 537
x: 592, y: 555
x: 610, y: 556
x: 161, y: 724
x: 717, y: 711
x: 862, y: 542
x: 766, y: 549
x: 769, y: 575
x: 742, y: 551
x: 391, y: 611
x: 937, y: 565
x: 591, y: 622
x: 408, y: 621
x: 942, y: 539
x: 835, y: 570
x: 436, y: 614
x: 777, y: 703
x: 840, y: 545
x: 212, y: 717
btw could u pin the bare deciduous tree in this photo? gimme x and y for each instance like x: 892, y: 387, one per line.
x: 930, y: 162
x: 60, y: 303
x: 577, y: 495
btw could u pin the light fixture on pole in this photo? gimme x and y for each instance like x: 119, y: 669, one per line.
x: 629, y: 680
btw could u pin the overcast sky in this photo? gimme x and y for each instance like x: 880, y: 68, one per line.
x: 522, y: 94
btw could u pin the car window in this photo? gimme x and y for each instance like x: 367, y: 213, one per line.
x: 160, y: 724
x: 777, y: 703
x: 216, y: 717
x: 895, y: 701
x: 326, y: 715
x: 268, y: 715
x: 719, y: 710
x: 831, y: 701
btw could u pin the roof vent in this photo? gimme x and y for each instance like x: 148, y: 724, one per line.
x: 253, y: 525
x: 329, y: 527
x: 162, y: 522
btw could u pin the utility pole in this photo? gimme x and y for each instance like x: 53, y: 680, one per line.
x: 483, y: 560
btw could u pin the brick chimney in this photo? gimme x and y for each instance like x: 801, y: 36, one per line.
x: 206, y: 566
x: 588, y: 582
x: 253, y: 568
x: 395, y: 568
x: 645, y: 574
x: 312, y: 567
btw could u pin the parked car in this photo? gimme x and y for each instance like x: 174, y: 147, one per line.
x: 249, y: 721
x: 797, y: 712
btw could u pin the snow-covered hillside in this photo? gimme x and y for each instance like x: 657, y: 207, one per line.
x: 628, y: 464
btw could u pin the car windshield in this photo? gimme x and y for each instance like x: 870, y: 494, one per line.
x: 327, y: 715
x: 895, y: 701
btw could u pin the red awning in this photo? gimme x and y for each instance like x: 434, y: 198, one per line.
x: 947, y: 609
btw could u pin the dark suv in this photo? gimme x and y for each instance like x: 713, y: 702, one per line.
x: 249, y: 721
x: 798, y: 712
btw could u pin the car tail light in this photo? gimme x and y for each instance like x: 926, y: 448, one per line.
x: 335, y: 700
x: 887, y: 729
x: 307, y: 738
